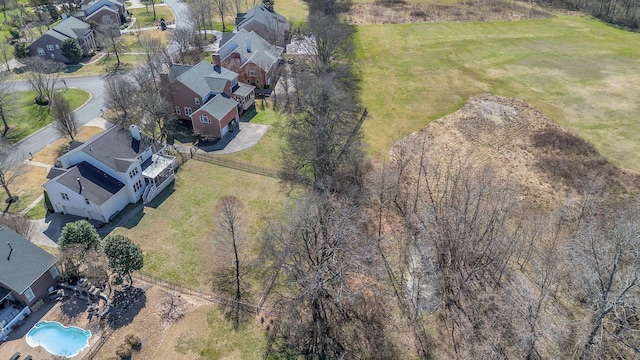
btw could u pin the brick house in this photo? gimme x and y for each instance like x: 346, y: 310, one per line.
x: 194, y: 87
x: 254, y: 59
x: 49, y: 44
x: 268, y: 24
x: 99, y: 177
x: 27, y: 273
x: 103, y: 11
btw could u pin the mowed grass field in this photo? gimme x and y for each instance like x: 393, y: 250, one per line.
x: 175, y: 232
x: 581, y: 73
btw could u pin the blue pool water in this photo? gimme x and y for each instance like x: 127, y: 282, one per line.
x: 58, y: 339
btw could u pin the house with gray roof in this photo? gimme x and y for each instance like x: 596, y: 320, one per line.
x: 101, y: 176
x: 270, y: 25
x: 48, y: 46
x: 192, y: 88
x: 254, y: 59
x: 103, y: 12
x: 27, y: 273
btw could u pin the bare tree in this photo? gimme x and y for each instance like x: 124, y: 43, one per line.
x: 221, y: 8
x: 190, y: 47
x: 11, y: 168
x: 7, y: 104
x: 171, y: 307
x: 323, y: 140
x: 42, y: 75
x: 202, y: 12
x: 120, y: 98
x: 5, y: 54
x: 326, y: 294
x: 65, y: 120
x: 230, y: 241
x: 19, y: 224
x: 605, y: 257
x: 109, y: 34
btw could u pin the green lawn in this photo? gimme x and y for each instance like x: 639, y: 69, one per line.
x: 175, y: 233
x: 30, y: 117
x: 267, y: 152
x: 145, y: 18
x: 579, y: 72
x: 296, y: 11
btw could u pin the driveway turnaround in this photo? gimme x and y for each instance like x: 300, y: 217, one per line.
x: 245, y: 138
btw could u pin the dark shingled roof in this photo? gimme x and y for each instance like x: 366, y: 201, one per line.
x: 116, y: 144
x: 27, y: 262
x: 97, y: 186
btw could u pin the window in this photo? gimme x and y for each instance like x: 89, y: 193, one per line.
x: 133, y: 172
x: 64, y: 196
x: 54, y: 272
x: 53, y: 56
x: 187, y: 111
x: 178, y: 110
x: 41, y: 51
x: 251, y: 72
x: 50, y: 47
x: 57, y: 46
x: 137, y: 186
x: 29, y: 294
x: 197, y: 101
x: 205, y: 119
x: 106, y: 18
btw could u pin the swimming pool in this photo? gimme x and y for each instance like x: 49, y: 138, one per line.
x: 58, y: 339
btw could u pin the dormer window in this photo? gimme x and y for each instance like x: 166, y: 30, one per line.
x: 197, y: 101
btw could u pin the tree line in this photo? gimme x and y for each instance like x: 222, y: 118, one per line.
x: 618, y: 12
x: 425, y: 256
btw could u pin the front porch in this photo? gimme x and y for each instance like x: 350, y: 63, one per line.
x: 158, y: 175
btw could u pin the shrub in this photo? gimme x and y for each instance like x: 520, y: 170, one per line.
x: 133, y: 340
x: 123, y: 350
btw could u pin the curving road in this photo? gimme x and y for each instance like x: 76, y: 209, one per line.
x: 95, y: 86
x: 91, y: 109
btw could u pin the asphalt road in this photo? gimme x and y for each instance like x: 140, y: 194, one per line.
x: 47, y: 135
x: 182, y: 19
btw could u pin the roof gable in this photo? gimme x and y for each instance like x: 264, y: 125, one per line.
x: 203, y: 77
x: 261, y: 14
x: 90, y: 182
x: 258, y: 51
x: 218, y: 107
x: 25, y: 264
x: 72, y: 28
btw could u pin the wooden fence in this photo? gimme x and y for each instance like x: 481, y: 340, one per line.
x: 237, y: 165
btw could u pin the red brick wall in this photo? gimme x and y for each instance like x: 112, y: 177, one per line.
x: 182, y: 96
x: 39, y: 287
x: 214, y: 129
x: 97, y: 16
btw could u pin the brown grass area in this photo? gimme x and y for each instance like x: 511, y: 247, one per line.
x: 398, y: 12
x: 28, y: 186
x: 49, y: 154
x: 547, y: 164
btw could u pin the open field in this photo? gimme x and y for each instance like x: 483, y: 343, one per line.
x: 175, y: 230
x: 579, y: 72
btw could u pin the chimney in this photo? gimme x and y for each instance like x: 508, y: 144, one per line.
x: 215, y: 60
x: 135, y: 133
x: 79, y: 186
x: 248, y: 45
x: 10, y: 251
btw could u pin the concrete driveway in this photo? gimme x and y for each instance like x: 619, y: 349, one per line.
x: 247, y: 136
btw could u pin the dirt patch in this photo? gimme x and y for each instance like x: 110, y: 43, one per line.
x: 398, y: 12
x: 547, y: 164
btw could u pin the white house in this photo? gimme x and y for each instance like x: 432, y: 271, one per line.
x: 100, y: 177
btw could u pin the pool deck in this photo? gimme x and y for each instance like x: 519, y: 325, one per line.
x: 70, y: 311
